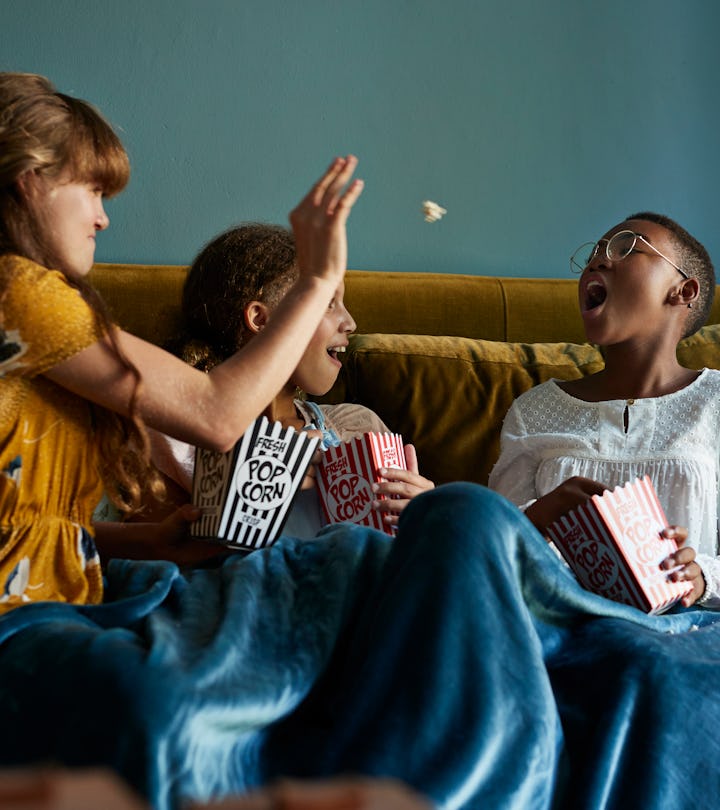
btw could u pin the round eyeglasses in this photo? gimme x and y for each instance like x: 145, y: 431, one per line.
x: 617, y: 247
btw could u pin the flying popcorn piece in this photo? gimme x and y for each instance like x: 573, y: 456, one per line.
x: 432, y: 211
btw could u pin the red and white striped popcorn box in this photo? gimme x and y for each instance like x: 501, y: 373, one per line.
x: 614, y: 546
x: 347, y: 473
x: 246, y: 494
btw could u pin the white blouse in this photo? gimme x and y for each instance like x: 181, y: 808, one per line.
x: 549, y: 436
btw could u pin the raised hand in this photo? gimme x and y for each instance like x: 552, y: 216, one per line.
x: 318, y: 221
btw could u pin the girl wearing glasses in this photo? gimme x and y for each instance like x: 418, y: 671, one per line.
x: 187, y: 684
x: 431, y: 657
x: 643, y: 287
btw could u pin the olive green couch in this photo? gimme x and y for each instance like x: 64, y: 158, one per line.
x: 439, y: 357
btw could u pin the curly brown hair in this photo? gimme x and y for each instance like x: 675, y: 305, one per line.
x: 47, y: 132
x: 253, y: 261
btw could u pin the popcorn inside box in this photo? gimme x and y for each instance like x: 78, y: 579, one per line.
x: 613, y: 544
x: 346, y: 475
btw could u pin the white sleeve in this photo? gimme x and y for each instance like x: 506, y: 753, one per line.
x: 514, y: 474
x: 173, y: 458
x: 711, y: 573
x: 710, y: 567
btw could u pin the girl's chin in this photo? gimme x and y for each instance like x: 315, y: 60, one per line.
x: 592, y: 319
x: 319, y: 388
x: 593, y: 329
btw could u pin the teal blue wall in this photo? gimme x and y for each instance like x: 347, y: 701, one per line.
x: 537, y: 125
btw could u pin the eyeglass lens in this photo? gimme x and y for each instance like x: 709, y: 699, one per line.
x: 617, y: 248
x: 620, y: 245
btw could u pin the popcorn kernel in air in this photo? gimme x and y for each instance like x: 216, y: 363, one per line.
x: 432, y: 211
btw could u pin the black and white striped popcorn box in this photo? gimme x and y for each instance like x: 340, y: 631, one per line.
x: 246, y: 494
x: 347, y: 472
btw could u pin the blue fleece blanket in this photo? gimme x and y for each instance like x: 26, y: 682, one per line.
x: 461, y: 657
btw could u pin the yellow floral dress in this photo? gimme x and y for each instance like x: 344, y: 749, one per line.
x: 49, y: 480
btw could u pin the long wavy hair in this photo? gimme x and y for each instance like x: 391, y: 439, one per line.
x: 52, y: 134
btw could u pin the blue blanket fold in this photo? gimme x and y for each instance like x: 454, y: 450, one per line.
x: 461, y: 656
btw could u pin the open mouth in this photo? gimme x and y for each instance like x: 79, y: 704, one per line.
x: 334, y: 351
x: 595, y: 295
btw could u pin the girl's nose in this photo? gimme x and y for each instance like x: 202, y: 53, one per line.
x: 348, y: 325
x: 599, y: 261
x: 101, y: 220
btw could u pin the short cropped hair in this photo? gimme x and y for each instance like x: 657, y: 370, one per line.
x: 694, y: 260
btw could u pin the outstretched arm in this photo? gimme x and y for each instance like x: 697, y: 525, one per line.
x: 213, y: 410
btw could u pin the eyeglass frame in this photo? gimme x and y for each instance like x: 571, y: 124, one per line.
x: 596, y: 250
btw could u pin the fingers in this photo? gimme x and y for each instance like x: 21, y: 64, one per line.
x: 683, y: 556
x: 681, y: 566
x: 393, y: 497
x: 318, y: 222
x: 327, y: 196
x: 401, y: 483
x: 337, y: 201
x: 411, y: 461
x: 395, y: 493
x: 335, y: 177
x: 677, y: 533
x: 389, y: 511
x: 328, y: 193
x: 698, y: 590
x: 691, y: 573
x: 186, y: 513
x: 348, y: 200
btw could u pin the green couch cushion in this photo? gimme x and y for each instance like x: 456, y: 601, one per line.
x: 449, y: 395
x: 701, y: 350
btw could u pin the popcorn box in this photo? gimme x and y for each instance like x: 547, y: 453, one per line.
x: 613, y: 545
x: 246, y: 493
x: 347, y: 472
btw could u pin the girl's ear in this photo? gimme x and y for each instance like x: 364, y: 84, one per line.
x: 256, y: 316
x: 28, y: 184
x: 25, y: 184
x: 687, y: 294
